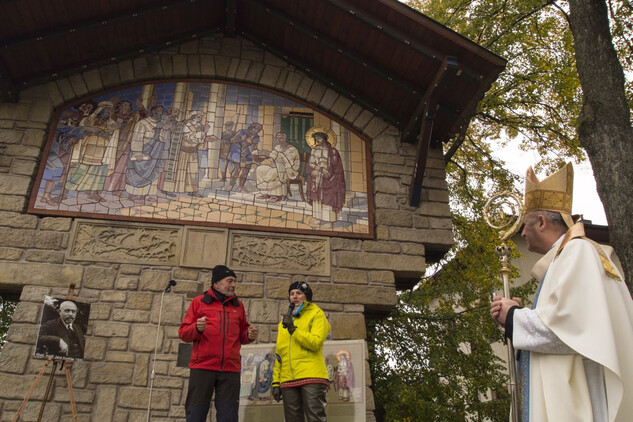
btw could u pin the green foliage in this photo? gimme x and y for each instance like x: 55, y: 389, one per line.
x: 7, y: 307
x: 536, y: 100
x: 432, y: 358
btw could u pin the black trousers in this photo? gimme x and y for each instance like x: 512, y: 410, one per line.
x: 202, y: 384
x: 308, y: 399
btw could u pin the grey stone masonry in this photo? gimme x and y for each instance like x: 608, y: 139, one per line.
x: 111, y: 383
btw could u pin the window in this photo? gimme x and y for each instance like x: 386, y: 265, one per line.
x: 8, y: 302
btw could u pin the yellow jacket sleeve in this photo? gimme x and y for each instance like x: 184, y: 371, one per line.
x: 313, y: 337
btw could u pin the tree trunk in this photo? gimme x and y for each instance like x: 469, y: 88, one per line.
x: 604, y: 124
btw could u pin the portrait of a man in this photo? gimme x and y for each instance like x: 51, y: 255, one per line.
x: 62, y: 329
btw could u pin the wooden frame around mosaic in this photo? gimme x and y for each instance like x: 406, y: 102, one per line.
x: 100, y: 162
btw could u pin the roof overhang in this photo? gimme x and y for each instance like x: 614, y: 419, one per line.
x: 414, y: 73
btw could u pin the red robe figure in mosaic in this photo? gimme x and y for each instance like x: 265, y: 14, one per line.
x: 326, y: 179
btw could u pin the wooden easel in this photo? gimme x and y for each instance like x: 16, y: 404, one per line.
x: 65, y: 363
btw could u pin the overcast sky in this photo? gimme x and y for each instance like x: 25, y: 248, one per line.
x: 586, y: 200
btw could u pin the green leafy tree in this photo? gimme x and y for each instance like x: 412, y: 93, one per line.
x: 604, y: 124
x: 432, y: 359
x: 552, y: 46
x: 7, y: 306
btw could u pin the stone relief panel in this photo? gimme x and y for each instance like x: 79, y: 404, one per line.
x: 203, y: 247
x: 134, y: 243
x: 279, y: 253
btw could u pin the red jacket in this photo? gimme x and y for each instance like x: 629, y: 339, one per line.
x: 217, y: 348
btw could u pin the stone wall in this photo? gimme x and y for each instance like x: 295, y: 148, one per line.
x: 112, y: 382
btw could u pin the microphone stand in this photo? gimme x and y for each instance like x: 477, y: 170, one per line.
x: 153, y: 373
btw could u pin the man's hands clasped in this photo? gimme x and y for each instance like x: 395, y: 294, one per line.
x: 201, y: 324
x: 500, y: 306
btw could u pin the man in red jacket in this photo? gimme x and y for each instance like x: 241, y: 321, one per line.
x: 216, y: 324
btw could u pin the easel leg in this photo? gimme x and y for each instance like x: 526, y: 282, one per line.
x: 70, y: 392
x: 31, y: 389
x: 71, y: 289
x: 48, y: 390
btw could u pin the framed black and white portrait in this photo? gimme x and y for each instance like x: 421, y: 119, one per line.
x: 62, y: 330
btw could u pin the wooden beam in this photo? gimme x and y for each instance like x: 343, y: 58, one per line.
x: 59, y: 31
x: 425, y: 111
x: 424, y: 143
x: 409, y: 130
x: 230, y: 16
x: 8, y: 92
x: 325, y: 41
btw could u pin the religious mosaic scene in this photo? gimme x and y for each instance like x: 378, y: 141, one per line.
x: 209, y: 153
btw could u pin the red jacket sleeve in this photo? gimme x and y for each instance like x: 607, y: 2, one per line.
x: 188, y: 331
x: 244, y: 327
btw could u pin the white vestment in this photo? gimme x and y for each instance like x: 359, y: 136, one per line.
x: 284, y: 165
x: 580, y: 340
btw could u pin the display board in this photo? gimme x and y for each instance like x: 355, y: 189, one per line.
x: 62, y: 329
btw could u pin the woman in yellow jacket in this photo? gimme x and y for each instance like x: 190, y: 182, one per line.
x: 300, y: 375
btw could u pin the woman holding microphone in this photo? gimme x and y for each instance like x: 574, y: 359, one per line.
x: 300, y: 375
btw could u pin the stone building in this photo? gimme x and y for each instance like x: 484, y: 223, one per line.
x: 390, y: 85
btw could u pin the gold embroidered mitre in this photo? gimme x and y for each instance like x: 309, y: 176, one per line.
x: 553, y: 193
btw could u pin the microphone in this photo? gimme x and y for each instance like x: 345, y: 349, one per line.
x: 291, y: 307
x: 287, y: 320
x: 171, y: 284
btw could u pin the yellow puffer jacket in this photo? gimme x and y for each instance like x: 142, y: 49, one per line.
x: 300, y: 355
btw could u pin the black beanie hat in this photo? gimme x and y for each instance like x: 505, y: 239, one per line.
x: 220, y: 272
x: 302, y: 286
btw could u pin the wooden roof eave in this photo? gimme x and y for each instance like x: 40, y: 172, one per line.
x: 88, y: 24
x: 428, y: 51
x: 425, y: 112
x: 323, y: 78
x: 444, y: 32
x: 8, y: 91
x: 326, y: 41
x: 230, y: 19
x: 132, y: 53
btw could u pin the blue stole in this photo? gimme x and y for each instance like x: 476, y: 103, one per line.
x: 524, y: 370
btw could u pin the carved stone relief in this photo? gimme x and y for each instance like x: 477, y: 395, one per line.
x: 279, y: 253
x: 135, y: 243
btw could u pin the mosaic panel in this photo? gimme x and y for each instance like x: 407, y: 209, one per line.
x: 205, y: 153
x: 345, y: 362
